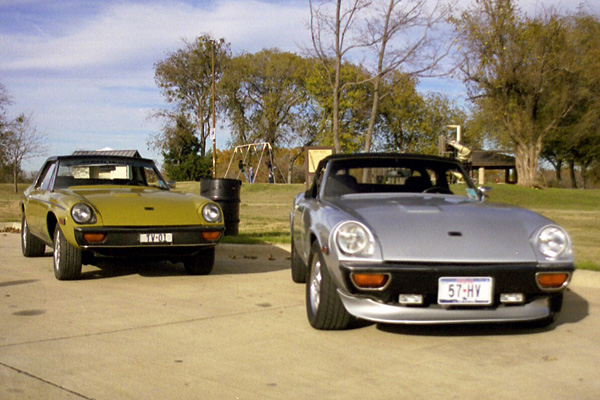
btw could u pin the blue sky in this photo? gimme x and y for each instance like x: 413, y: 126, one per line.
x: 85, y: 69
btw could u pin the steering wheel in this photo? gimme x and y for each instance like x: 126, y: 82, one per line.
x: 438, y: 189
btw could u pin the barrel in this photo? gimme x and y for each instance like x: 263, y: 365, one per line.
x: 226, y: 193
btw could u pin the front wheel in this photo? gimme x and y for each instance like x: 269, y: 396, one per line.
x: 324, y: 308
x: 67, y: 258
x: 31, y: 246
x: 201, y: 263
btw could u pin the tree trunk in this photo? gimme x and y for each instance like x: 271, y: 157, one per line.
x: 558, y: 170
x: 584, y: 168
x: 201, y: 128
x: 336, y: 111
x: 526, y: 160
x: 336, y: 83
x: 571, y: 164
x: 292, y: 162
x: 374, y: 108
x: 290, y: 168
x: 15, y: 174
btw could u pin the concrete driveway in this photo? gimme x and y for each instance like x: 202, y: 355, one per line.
x: 152, y: 332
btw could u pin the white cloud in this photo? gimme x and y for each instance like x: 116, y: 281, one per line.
x: 91, y: 85
x: 126, y: 32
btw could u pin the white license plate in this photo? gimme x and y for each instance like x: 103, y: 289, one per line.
x: 156, y: 238
x: 465, y: 290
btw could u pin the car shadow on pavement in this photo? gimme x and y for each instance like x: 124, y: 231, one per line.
x: 575, y: 309
x: 250, y: 259
x: 229, y: 260
x: 114, y: 268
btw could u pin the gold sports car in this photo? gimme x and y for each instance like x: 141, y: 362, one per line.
x: 91, y: 206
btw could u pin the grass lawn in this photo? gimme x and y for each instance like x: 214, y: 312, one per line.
x: 265, y: 210
x: 9, y: 202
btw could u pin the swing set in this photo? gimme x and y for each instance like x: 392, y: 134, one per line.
x: 245, y: 154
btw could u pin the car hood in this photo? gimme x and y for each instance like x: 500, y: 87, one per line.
x: 437, y: 228
x: 142, y: 206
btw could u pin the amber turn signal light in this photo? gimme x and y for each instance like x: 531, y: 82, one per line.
x: 370, y: 280
x: 552, y: 280
x: 94, y: 237
x: 211, y: 235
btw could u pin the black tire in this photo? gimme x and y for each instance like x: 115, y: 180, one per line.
x: 31, y: 246
x: 201, y: 263
x: 299, y: 269
x: 324, y: 308
x: 67, y: 258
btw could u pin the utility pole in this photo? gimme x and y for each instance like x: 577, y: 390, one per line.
x: 213, y: 132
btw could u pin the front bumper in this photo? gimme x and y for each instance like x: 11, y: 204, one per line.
x: 414, y: 279
x: 125, y: 241
x: 385, y: 313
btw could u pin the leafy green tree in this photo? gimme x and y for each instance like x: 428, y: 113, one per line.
x: 265, y: 96
x: 410, y: 122
x: 513, y: 67
x: 180, y: 148
x: 353, y: 105
x: 185, y: 78
x: 576, y: 138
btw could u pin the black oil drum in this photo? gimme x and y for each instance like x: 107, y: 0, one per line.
x: 226, y: 193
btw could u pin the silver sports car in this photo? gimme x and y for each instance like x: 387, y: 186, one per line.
x: 400, y: 238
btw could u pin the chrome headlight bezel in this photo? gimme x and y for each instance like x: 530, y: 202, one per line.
x: 552, y: 243
x: 83, y: 213
x: 354, y: 239
x: 211, y: 213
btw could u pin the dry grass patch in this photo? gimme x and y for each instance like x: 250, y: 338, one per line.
x: 9, y: 202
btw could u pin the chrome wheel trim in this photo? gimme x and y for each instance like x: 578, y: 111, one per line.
x: 316, y: 279
x: 57, y: 250
x: 24, y: 233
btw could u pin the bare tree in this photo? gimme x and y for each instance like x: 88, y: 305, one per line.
x: 22, y: 141
x: 416, y: 54
x: 332, y: 38
x: 4, y: 103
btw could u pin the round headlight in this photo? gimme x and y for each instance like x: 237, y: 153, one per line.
x: 552, y: 241
x: 83, y: 214
x: 354, y: 239
x: 211, y: 213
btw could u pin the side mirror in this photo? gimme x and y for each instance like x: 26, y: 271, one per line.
x: 484, y: 192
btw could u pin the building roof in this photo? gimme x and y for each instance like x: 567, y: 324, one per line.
x: 122, y: 153
x: 491, y: 160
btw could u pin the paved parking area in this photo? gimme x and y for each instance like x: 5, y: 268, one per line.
x: 152, y: 332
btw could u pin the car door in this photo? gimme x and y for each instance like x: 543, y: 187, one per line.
x: 303, y: 205
x: 37, y: 202
x: 298, y: 228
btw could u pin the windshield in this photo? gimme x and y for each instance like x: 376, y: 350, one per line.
x: 99, y: 172
x: 396, y: 175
